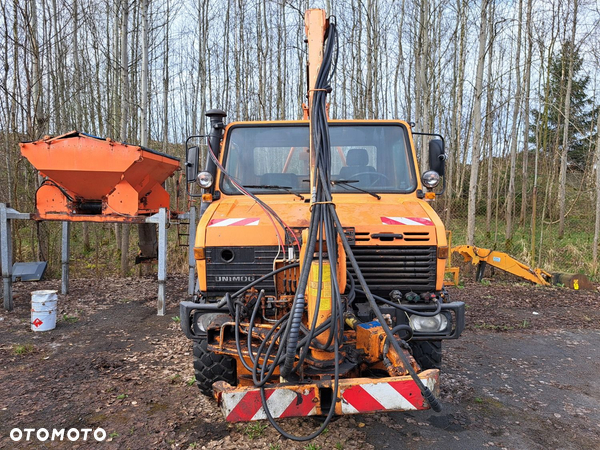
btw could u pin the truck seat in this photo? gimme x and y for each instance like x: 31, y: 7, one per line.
x: 357, y: 162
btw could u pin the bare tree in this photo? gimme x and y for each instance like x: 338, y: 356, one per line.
x: 124, y: 120
x: 565, y: 143
x: 597, y: 218
x: 510, y: 200
x: 526, y: 113
x: 489, y: 120
x: 472, y: 207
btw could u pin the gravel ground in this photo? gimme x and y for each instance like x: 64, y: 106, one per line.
x: 524, y: 375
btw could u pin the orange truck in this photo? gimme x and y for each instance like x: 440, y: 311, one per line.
x: 320, y: 263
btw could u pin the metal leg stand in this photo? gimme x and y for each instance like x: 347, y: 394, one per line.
x: 66, y: 247
x: 162, y: 260
x: 6, y: 240
x: 191, y: 243
x: 6, y: 216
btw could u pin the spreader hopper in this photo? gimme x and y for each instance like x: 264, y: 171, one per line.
x: 99, y: 180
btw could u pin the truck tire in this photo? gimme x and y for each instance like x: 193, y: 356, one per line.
x: 428, y: 354
x: 211, y: 367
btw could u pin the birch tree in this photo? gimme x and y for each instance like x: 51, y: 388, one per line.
x: 124, y: 120
x: 597, y: 218
x: 565, y: 143
x: 526, y: 112
x: 476, y: 147
x: 510, y: 200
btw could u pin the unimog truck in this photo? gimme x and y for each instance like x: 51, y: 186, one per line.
x: 320, y: 262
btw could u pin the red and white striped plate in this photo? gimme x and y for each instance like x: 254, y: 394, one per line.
x: 358, y: 395
x: 243, y: 222
x: 419, y: 221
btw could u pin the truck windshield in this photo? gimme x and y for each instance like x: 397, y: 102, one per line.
x: 271, y: 159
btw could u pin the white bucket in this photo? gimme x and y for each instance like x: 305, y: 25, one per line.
x: 43, y: 310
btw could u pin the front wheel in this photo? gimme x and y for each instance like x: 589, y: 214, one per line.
x: 211, y: 367
x: 428, y: 354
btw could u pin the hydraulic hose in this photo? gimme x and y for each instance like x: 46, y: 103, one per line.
x: 321, y: 221
x: 292, y: 339
x: 425, y: 391
x: 406, y: 309
x: 291, y: 336
x: 263, y: 278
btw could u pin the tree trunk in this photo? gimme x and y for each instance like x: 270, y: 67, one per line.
x: 489, y: 118
x: 165, y: 124
x: 36, y: 121
x: 542, y: 147
x: 472, y: 208
x: 597, y: 221
x: 565, y: 143
x: 124, y: 122
x: 457, y: 102
x: 490, y: 160
x: 526, y: 113
x: 421, y: 87
x: 510, y: 201
x: 147, y: 240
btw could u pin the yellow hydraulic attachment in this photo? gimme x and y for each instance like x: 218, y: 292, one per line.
x: 481, y: 257
x: 453, y: 271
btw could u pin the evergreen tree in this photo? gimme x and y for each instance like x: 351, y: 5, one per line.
x: 549, y: 120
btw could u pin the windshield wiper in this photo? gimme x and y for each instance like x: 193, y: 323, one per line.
x: 288, y: 189
x: 347, y: 183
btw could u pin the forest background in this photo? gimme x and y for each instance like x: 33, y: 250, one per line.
x: 512, y: 85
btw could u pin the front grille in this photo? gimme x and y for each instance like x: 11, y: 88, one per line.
x: 229, y: 269
x: 416, y: 236
x: 406, y: 268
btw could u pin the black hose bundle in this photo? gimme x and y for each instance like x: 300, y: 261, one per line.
x: 293, y: 349
x: 321, y: 136
x: 287, y: 343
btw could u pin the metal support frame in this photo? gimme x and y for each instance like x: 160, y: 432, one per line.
x: 65, y: 253
x: 191, y: 259
x: 191, y: 216
x: 7, y: 215
x: 161, y: 220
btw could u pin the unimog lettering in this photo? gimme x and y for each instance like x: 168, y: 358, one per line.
x: 235, y: 279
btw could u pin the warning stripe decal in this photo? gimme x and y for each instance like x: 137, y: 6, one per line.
x: 394, y: 396
x: 246, y: 406
x: 360, y: 400
x: 233, y: 222
x: 357, y: 396
x: 418, y: 221
x: 243, y: 406
x: 410, y: 392
x: 302, y: 406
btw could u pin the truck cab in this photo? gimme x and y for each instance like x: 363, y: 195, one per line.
x: 397, y: 238
x: 377, y: 193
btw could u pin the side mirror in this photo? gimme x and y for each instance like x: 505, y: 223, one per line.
x: 437, y: 157
x: 191, y: 164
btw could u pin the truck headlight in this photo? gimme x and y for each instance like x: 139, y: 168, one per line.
x: 204, y: 180
x: 203, y: 320
x: 430, y: 179
x: 433, y: 324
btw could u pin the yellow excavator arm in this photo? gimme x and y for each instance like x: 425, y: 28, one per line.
x: 481, y: 257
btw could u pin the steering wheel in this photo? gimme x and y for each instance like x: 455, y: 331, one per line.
x: 379, y: 176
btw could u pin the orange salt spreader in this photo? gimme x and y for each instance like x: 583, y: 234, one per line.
x: 89, y: 179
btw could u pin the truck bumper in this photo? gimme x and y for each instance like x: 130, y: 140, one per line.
x: 358, y: 395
